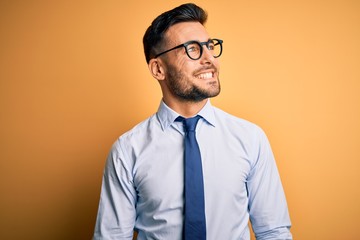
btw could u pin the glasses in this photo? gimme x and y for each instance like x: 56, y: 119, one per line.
x: 194, y: 49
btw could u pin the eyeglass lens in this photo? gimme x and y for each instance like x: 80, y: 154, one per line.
x: 194, y: 49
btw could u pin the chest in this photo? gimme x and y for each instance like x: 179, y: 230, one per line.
x: 159, y: 168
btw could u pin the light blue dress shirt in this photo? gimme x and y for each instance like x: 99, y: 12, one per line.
x: 143, y: 183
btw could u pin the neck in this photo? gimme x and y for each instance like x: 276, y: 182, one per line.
x: 185, y: 108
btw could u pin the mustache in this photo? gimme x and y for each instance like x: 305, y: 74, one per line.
x: 205, y: 68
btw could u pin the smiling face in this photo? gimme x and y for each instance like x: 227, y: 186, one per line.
x: 186, y: 79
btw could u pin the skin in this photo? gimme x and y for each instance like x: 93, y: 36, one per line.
x: 181, y: 79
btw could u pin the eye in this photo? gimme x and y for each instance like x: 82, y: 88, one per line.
x: 192, y: 48
x: 210, y: 45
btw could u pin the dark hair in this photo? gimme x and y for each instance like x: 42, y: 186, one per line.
x: 154, y: 35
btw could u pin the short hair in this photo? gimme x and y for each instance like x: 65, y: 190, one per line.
x: 154, y: 35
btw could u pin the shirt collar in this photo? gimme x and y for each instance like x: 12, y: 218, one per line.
x: 167, y: 116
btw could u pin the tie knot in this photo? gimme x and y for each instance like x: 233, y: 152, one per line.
x: 189, y: 123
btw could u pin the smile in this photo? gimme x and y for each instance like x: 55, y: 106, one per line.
x: 205, y: 75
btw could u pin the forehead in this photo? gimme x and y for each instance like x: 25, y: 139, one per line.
x: 186, y: 31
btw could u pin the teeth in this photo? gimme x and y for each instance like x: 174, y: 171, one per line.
x: 205, y: 76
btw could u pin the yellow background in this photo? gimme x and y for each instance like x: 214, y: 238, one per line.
x: 73, y: 78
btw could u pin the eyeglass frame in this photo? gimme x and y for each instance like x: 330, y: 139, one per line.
x: 197, y: 42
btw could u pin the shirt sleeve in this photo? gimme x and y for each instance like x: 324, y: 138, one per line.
x: 267, y: 204
x: 116, y: 213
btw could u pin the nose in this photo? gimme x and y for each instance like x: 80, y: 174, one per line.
x: 207, y: 56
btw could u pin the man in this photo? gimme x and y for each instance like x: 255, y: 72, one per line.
x: 145, y: 184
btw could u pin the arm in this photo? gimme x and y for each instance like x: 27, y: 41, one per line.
x: 267, y: 204
x: 116, y: 213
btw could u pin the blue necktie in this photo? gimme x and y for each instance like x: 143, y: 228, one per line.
x: 194, y: 223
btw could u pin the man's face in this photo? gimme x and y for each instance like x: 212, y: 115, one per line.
x: 187, y: 79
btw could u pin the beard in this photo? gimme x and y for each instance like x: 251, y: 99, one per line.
x: 184, y: 89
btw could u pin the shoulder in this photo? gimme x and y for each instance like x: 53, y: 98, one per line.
x: 141, y: 129
x: 229, y: 120
x: 124, y: 148
x: 137, y: 133
x: 239, y: 128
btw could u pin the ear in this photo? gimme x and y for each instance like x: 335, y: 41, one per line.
x: 156, y: 69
